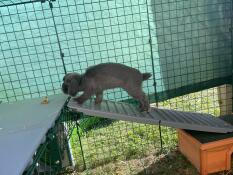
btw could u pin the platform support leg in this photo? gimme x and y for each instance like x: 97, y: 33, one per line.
x: 80, y: 143
x: 225, y: 99
x: 63, y: 145
x: 160, y: 136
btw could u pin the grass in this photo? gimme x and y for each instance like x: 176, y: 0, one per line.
x: 163, y: 164
x: 120, y: 147
x: 118, y: 141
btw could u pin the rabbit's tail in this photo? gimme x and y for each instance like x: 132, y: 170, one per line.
x: 146, y: 76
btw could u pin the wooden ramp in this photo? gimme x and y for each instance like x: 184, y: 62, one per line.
x: 165, y: 117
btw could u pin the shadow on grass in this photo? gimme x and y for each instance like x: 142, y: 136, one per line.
x: 174, y: 163
x: 167, y: 164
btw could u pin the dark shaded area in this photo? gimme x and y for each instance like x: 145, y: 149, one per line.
x: 206, y: 137
x: 172, y: 93
x: 88, y: 123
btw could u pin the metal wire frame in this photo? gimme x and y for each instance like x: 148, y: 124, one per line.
x: 50, y: 154
x: 7, y: 3
x: 30, y: 63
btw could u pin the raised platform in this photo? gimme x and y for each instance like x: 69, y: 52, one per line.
x: 23, y: 126
x: 171, y: 118
x: 208, y: 152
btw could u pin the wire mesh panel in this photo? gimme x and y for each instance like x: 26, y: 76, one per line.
x: 184, y: 43
x: 116, y: 142
x: 89, y: 32
x: 93, y: 32
x: 30, y: 61
x: 53, y: 156
x: 194, y: 44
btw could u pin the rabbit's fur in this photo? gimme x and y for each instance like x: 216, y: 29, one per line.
x: 104, y: 76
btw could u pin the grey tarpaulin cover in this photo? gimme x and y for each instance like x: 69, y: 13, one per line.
x: 172, y: 118
x: 23, y: 126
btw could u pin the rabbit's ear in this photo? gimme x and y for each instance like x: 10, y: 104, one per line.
x: 74, y: 83
x: 66, y: 75
x: 73, y: 87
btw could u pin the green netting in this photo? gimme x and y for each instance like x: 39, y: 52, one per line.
x: 30, y: 60
x: 92, y: 32
x: 185, y: 44
x: 194, y: 42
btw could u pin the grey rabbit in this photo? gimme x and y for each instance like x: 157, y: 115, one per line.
x: 104, y: 76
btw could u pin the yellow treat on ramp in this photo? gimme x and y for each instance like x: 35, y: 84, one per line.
x: 45, y: 100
